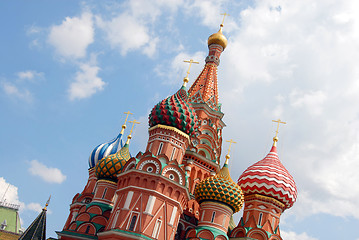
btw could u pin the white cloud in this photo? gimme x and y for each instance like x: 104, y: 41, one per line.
x: 86, y: 82
x: 72, y: 37
x: 14, y: 91
x: 311, y: 101
x: 8, y: 193
x: 29, y: 75
x: 127, y: 33
x: 295, y: 236
x: 48, y: 174
x: 175, y: 72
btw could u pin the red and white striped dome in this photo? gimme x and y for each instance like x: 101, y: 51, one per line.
x: 270, y: 178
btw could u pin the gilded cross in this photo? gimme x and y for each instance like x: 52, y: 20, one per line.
x: 230, y: 144
x: 133, y: 124
x: 224, y: 16
x: 277, y: 121
x: 47, y: 203
x: 127, y: 113
x: 190, y: 64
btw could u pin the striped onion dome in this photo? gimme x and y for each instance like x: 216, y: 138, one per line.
x: 220, y: 188
x: 270, y: 178
x: 110, y: 166
x: 105, y: 149
x: 175, y: 111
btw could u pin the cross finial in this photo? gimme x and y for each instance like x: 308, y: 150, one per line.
x: 130, y: 136
x: 275, y: 139
x: 124, y: 125
x: 224, y: 16
x: 47, y: 203
x: 185, y: 80
x: 229, y: 149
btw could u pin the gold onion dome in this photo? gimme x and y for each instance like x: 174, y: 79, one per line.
x: 218, y: 38
x: 220, y: 188
x: 110, y: 166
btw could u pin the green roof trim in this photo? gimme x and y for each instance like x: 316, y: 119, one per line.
x: 133, y: 233
x: 77, y: 234
x: 216, y: 232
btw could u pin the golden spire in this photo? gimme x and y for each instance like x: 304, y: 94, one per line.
x: 47, y: 203
x: 229, y: 149
x: 186, y: 79
x: 124, y: 125
x: 129, y: 136
x: 275, y: 139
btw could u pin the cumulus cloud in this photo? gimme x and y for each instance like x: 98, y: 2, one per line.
x: 297, y: 61
x: 48, y: 174
x: 8, y: 192
x: 72, y: 37
x: 295, y: 236
x: 14, y: 91
x: 127, y: 33
x: 86, y: 82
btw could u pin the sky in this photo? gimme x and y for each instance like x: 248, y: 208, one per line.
x: 70, y: 69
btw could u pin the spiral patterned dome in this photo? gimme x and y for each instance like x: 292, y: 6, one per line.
x: 105, y: 149
x: 175, y: 111
x: 110, y: 166
x: 220, y: 188
x: 270, y: 178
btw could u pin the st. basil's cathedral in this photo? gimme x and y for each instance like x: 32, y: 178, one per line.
x: 177, y: 188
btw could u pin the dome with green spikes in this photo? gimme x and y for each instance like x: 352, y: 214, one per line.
x: 110, y: 166
x: 220, y: 188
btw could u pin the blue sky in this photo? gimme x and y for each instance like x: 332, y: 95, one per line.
x: 69, y: 69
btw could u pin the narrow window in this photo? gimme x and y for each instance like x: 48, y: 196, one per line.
x: 173, y: 153
x: 160, y: 148
x: 114, y: 220
x: 247, y: 217
x: 260, y: 219
x: 156, y: 229
x: 213, y: 215
x: 149, y: 148
x: 133, y: 223
x: 224, y: 220
x: 104, y: 193
x: 87, y: 229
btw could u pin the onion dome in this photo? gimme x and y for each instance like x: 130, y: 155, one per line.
x: 105, y: 149
x: 220, y: 188
x: 110, y: 166
x: 175, y: 111
x: 218, y: 38
x: 270, y: 178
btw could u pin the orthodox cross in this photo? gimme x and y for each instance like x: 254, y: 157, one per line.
x: 277, y: 121
x: 190, y: 64
x: 127, y: 113
x: 133, y: 124
x: 230, y: 144
x: 224, y: 16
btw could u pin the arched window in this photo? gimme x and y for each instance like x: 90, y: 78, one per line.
x: 133, y: 223
x: 173, y: 153
x: 104, y: 193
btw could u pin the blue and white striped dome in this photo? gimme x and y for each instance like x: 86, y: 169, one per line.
x: 105, y: 149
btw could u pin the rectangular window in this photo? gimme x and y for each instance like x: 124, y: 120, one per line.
x: 156, y: 229
x: 173, y: 153
x: 273, y: 222
x: 160, y: 148
x: 114, y: 220
x: 174, y: 211
x: 224, y: 220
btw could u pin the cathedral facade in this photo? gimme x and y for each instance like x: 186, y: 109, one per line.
x: 176, y: 188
